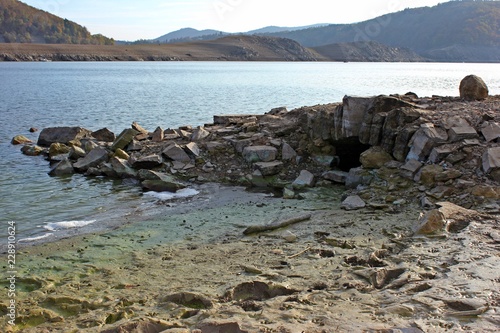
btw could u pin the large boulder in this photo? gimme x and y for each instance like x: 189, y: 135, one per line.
x: 92, y: 159
x: 472, y: 87
x: 64, y: 135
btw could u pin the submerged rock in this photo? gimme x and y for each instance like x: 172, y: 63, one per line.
x: 20, y: 139
x: 63, y: 168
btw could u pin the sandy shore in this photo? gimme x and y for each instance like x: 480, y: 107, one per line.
x: 339, y: 271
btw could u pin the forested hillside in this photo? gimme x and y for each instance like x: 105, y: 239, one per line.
x: 448, y: 31
x: 20, y: 23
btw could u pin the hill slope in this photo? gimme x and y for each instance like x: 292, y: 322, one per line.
x: 231, y: 48
x: 366, y: 52
x: 452, y: 31
x: 20, y: 23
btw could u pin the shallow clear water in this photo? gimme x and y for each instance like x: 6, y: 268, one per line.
x: 167, y: 94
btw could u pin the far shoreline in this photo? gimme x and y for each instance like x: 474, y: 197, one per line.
x: 194, y: 52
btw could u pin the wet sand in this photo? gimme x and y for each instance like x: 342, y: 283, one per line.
x: 192, y: 270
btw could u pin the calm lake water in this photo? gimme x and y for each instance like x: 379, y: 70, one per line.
x: 167, y: 94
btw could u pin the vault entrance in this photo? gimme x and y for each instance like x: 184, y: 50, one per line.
x: 348, y: 152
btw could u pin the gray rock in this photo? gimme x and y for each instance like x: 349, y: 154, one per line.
x: 199, y: 134
x: 134, y: 146
x: 288, y: 193
x: 410, y: 169
x: 336, y: 176
x: 491, y: 131
x: 145, y: 162
x: 287, y: 152
x: 92, y: 159
x: 139, y: 128
x: 76, y: 152
x: 176, y: 153
x: 193, y: 149
x: 424, y: 140
x: 123, y: 140
x: 439, y: 153
x: 305, y: 179
x: 122, y: 168
x: 63, y: 168
x: 61, y: 134
x: 104, y: 134
x: 472, y: 87
x: 240, y: 145
x: 491, y: 160
x: 353, y: 202
x: 255, y: 154
x: 164, y: 183
x: 269, y: 168
x: 461, y: 133
x: 158, y: 135
x: 358, y: 176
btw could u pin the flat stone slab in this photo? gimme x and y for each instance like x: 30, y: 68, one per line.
x: 461, y: 133
x: 336, y: 176
x: 234, y: 119
x: 269, y: 168
x: 254, y: 154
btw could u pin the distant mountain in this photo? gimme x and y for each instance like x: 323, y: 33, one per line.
x: 188, y: 34
x: 453, y: 31
x: 275, y: 29
x: 20, y: 23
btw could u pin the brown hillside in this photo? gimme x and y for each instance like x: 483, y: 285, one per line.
x: 236, y: 48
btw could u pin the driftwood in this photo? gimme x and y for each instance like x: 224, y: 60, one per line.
x: 276, y: 225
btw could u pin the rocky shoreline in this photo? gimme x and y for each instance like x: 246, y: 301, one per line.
x: 410, y: 244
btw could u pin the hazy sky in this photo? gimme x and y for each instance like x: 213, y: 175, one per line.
x: 148, y: 19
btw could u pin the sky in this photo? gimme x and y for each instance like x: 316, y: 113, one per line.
x: 148, y: 19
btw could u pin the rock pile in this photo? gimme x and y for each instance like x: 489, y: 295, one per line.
x: 385, y: 149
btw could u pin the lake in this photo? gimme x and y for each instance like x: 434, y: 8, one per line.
x: 166, y: 94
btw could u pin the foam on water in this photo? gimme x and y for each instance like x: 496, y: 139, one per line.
x: 165, y: 196
x: 67, y: 225
x: 32, y: 239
